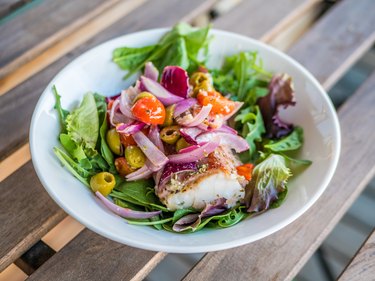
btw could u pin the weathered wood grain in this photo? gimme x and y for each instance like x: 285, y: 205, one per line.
x: 92, y: 257
x: 26, y: 221
x: 28, y: 34
x: 280, y: 256
x: 78, y: 36
x: 347, y: 31
x: 362, y: 266
x: 264, y: 21
x: 9, y: 6
x: 27, y: 213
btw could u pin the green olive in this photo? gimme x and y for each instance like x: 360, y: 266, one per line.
x: 170, y: 134
x: 181, y: 143
x: 198, y: 77
x: 103, y: 182
x: 135, y: 156
x: 143, y: 95
x: 113, y: 141
x: 169, y: 111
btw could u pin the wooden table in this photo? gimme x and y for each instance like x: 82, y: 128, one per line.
x: 38, y: 38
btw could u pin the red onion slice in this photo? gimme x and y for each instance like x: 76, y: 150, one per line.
x: 125, y: 212
x: 184, y: 105
x: 159, y: 91
x: 141, y: 173
x: 153, y: 153
x: 199, y: 118
x: 176, y: 80
x: 126, y: 99
x: 196, y: 154
x: 235, y: 142
x: 114, y: 108
x: 154, y: 136
x: 226, y: 129
x: 237, y: 107
x: 130, y: 129
x: 190, y: 133
x: 151, y: 71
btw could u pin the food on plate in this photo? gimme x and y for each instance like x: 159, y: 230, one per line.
x: 185, y: 147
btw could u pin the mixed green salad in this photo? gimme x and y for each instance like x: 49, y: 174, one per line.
x: 185, y: 147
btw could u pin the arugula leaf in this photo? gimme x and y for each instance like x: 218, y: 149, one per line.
x: 77, y: 171
x: 252, y: 126
x: 268, y: 182
x: 292, y: 141
x: 62, y: 112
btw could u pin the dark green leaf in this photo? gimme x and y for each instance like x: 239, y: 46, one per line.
x: 292, y: 141
x: 62, y: 112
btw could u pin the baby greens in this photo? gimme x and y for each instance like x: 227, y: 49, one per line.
x: 180, y: 46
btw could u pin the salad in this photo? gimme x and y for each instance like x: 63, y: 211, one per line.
x: 185, y: 147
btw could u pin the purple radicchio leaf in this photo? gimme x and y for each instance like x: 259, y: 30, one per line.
x: 268, y: 181
x: 176, y: 80
x: 192, y: 221
x: 281, y: 93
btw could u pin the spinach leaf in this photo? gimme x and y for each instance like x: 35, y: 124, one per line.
x: 181, y: 46
x: 139, y: 192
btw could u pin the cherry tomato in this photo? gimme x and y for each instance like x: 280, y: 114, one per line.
x: 220, y: 104
x: 110, y: 104
x: 245, y: 170
x: 149, y: 110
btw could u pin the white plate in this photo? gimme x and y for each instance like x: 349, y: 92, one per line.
x: 94, y: 71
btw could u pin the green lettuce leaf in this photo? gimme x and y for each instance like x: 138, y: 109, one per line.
x: 62, y: 112
x: 83, y: 124
x: 290, y: 142
x: 268, y: 182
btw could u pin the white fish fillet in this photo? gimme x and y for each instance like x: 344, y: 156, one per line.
x: 217, y: 178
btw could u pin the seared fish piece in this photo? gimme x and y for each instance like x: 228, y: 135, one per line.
x: 215, y: 177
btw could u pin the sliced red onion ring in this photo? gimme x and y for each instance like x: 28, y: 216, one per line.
x: 237, y: 107
x: 226, y: 129
x: 184, y: 105
x: 141, y: 173
x: 190, y: 133
x: 125, y: 212
x: 199, y: 118
x: 126, y: 100
x: 114, y: 108
x: 154, y: 136
x: 172, y: 168
x: 196, y: 154
x: 153, y: 153
x: 130, y: 129
x: 159, y: 91
x: 151, y: 71
x: 176, y: 80
x: 235, y: 142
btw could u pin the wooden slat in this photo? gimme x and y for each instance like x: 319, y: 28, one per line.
x: 25, y: 228
x: 298, y: 241
x: 264, y: 21
x: 27, y: 213
x: 347, y: 31
x: 101, y: 19
x: 95, y: 258
x: 9, y: 6
x: 27, y: 35
x: 362, y: 266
